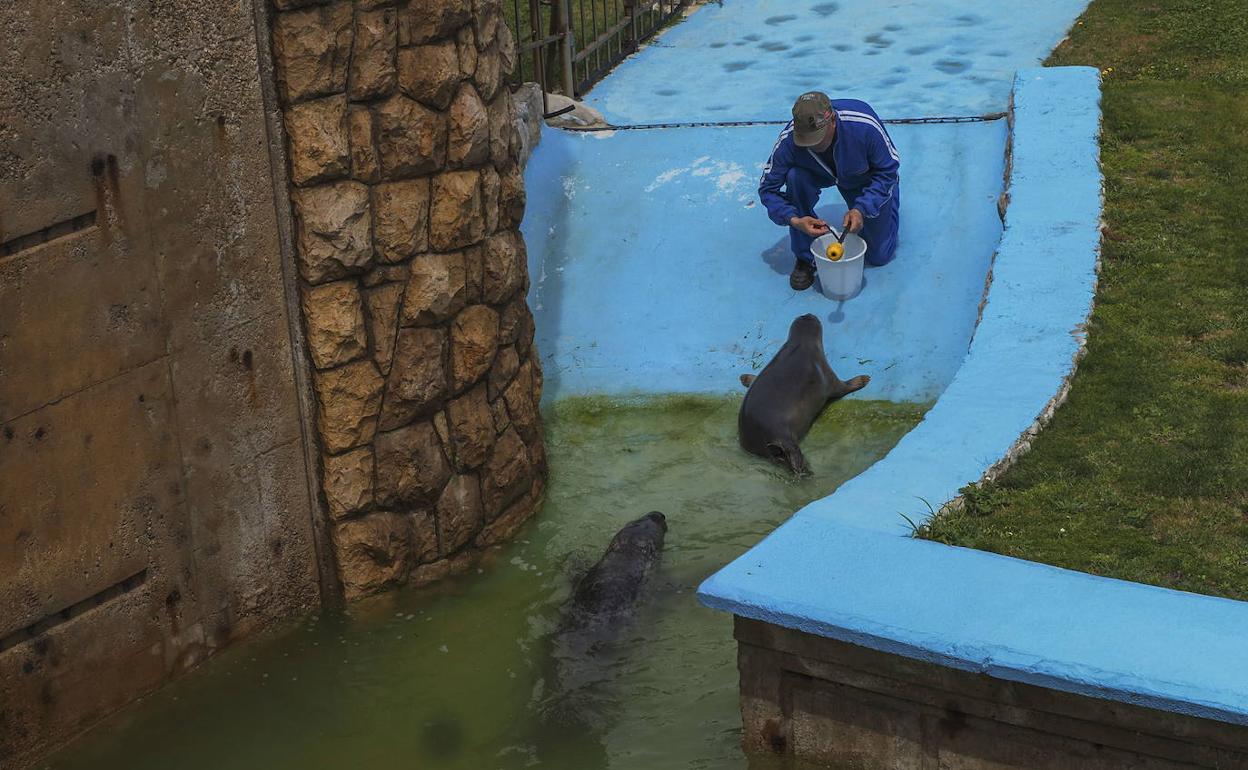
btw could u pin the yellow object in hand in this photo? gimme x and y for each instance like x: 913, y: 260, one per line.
x: 835, y: 251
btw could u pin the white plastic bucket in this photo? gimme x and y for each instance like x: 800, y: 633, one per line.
x: 841, y: 279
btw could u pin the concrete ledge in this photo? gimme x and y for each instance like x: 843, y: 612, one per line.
x: 841, y: 569
x: 1007, y: 618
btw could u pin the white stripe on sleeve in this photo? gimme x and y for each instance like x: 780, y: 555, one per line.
x: 859, y: 117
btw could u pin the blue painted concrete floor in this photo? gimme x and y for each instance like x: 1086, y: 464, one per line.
x: 655, y: 268
x: 748, y: 59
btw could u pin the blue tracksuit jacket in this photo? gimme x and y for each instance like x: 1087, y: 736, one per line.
x: 866, y: 164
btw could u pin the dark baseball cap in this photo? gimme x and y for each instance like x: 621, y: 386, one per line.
x: 812, y: 112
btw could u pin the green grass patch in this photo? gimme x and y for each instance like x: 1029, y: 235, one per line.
x: 1143, y: 473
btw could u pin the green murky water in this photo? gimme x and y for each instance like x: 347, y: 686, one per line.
x: 452, y: 678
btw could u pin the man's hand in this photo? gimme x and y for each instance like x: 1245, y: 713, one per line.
x: 853, y: 220
x: 810, y: 225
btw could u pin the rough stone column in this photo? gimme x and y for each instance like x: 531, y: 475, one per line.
x: 407, y: 195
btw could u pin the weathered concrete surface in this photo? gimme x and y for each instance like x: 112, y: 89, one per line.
x: 848, y: 706
x: 217, y: 389
x: 904, y: 58
x: 154, y: 496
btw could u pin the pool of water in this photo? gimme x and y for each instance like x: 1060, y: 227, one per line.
x: 457, y: 676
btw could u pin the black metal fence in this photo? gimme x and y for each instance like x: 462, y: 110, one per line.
x: 568, y: 45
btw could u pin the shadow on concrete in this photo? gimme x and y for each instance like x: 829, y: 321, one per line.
x: 838, y: 313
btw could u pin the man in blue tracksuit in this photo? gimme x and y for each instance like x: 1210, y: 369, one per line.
x: 828, y: 143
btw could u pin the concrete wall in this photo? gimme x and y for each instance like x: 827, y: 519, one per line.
x: 832, y: 702
x: 154, y: 494
x: 263, y: 335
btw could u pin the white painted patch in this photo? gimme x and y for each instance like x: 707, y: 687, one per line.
x: 701, y: 166
x: 727, y: 175
x: 728, y: 180
x: 664, y: 178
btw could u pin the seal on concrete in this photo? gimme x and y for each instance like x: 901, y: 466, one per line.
x: 788, y: 394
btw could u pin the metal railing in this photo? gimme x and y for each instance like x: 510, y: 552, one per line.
x: 569, y: 45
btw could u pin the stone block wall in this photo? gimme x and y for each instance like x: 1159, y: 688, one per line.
x: 407, y: 196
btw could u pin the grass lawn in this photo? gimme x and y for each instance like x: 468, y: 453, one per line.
x: 1143, y: 473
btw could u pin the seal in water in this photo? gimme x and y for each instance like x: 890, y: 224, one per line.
x: 788, y: 394
x: 610, y: 589
x: 584, y: 655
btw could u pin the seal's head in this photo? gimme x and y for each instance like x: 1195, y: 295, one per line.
x: 806, y: 328
x: 645, y: 533
x: 656, y: 518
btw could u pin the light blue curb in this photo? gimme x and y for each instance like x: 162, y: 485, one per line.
x: 842, y: 567
x: 984, y: 613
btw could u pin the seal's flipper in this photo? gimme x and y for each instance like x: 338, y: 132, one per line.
x: 789, y: 454
x: 857, y: 383
x: 854, y: 384
x: 747, y: 380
